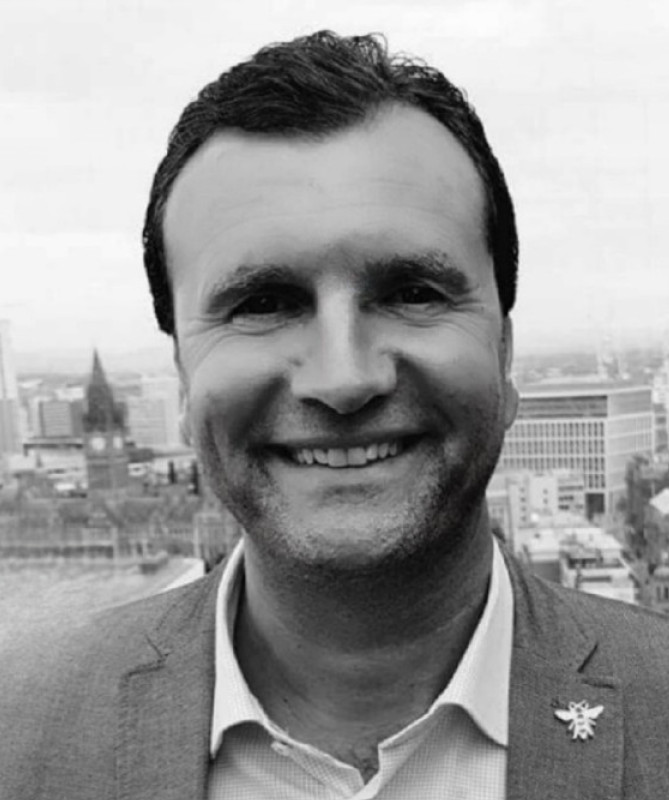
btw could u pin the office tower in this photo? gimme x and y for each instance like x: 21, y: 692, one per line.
x: 661, y: 401
x: 591, y: 428
x: 60, y: 418
x: 10, y: 430
x: 153, y: 417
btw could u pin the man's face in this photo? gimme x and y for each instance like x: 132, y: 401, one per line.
x: 339, y: 337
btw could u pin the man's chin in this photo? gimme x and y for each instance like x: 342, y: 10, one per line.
x: 350, y: 542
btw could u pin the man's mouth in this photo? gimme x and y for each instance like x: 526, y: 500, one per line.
x: 340, y: 457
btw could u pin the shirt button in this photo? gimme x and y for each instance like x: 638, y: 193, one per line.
x: 281, y: 748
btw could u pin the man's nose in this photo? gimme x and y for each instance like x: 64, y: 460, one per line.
x: 343, y: 364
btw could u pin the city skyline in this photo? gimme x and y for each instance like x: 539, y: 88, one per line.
x: 574, y: 97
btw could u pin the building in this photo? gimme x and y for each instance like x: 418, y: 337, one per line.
x: 659, y: 505
x: 661, y: 432
x: 541, y: 550
x: 105, y: 446
x: 72, y: 392
x: 588, y: 428
x: 656, y: 528
x: 520, y: 499
x: 541, y: 494
x: 153, y: 416
x: 60, y: 418
x: 657, y: 590
x: 10, y: 426
x: 146, y: 421
x: 594, y: 563
x: 582, y: 557
x: 661, y: 380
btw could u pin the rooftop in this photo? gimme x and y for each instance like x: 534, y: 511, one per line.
x: 562, y: 388
x: 661, y: 502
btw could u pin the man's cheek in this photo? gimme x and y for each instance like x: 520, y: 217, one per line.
x: 478, y: 407
x: 239, y: 385
x: 466, y: 383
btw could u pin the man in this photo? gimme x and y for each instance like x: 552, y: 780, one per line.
x: 331, y: 243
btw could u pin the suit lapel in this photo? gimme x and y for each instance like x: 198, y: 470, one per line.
x: 544, y: 759
x: 550, y: 669
x: 166, y: 702
x: 166, y: 699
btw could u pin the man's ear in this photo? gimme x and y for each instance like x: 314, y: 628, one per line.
x: 184, y: 409
x: 510, y: 391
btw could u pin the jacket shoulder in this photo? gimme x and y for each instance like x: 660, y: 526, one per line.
x: 59, y: 683
x: 629, y: 634
x: 106, y: 639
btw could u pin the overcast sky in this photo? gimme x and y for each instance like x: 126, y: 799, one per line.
x: 574, y: 96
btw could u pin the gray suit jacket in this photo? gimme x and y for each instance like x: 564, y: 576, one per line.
x: 120, y: 707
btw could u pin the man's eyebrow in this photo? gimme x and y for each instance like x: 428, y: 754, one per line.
x: 245, y: 280
x: 434, y: 266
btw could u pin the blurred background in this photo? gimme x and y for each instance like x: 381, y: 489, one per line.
x: 93, y: 474
x: 575, y: 98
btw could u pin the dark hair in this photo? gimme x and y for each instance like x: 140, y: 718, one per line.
x: 313, y: 86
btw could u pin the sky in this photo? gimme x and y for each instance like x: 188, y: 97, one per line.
x: 574, y: 96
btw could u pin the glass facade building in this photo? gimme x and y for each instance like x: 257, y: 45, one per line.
x: 594, y: 429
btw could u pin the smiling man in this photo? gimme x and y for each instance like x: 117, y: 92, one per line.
x: 331, y: 243
x: 343, y: 348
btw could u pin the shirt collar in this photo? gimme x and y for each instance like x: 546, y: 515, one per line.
x: 480, y: 683
x: 233, y: 701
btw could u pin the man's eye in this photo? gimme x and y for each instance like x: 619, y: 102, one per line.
x: 415, y: 295
x: 265, y: 304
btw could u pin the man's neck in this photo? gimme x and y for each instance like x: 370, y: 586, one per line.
x: 341, y: 667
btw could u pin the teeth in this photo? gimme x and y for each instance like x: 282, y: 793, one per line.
x: 352, y: 457
x: 321, y: 456
x: 357, y: 456
x: 337, y: 458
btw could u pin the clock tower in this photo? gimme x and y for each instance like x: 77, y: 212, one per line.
x: 104, y: 435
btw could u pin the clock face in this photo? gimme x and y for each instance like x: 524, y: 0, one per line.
x: 118, y: 442
x: 97, y: 443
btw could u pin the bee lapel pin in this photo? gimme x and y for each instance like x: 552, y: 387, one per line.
x: 581, y: 719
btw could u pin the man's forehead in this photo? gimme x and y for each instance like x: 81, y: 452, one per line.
x: 399, y: 183
x: 398, y: 145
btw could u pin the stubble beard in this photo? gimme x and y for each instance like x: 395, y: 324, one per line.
x: 435, y: 523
